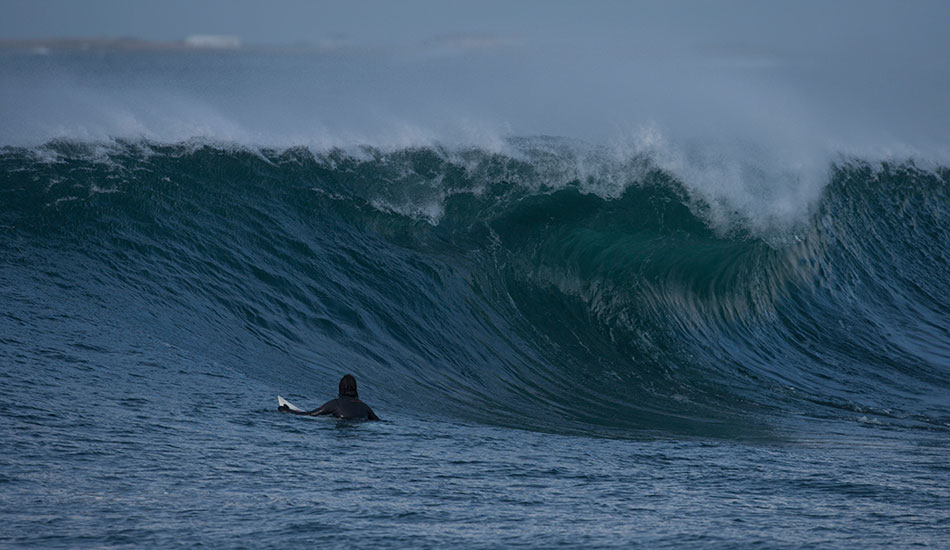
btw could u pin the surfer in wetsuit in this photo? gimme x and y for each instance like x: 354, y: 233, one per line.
x: 346, y: 405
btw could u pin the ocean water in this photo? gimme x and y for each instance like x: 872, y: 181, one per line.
x: 571, y: 344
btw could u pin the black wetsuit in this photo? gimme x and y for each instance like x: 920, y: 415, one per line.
x: 346, y: 407
x: 343, y: 406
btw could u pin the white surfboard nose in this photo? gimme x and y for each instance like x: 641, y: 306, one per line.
x: 291, y: 406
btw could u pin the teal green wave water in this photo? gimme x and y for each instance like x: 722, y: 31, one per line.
x: 474, y: 282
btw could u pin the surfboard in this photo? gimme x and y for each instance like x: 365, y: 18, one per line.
x: 282, y: 401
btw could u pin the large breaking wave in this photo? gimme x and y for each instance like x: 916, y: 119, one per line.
x: 551, y: 286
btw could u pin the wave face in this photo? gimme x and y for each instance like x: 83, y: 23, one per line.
x: 544, y: 287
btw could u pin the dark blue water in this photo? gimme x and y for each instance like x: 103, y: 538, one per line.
x: 568, y: 348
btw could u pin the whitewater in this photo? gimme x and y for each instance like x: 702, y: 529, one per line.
x: 593, y: 307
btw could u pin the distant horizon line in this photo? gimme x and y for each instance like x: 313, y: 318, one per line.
x: 197, y: 41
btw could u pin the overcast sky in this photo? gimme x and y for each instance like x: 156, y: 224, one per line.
x: 901, y: 24
x: 850, y: 70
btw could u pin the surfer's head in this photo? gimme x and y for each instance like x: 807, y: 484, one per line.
x: 348, y: 386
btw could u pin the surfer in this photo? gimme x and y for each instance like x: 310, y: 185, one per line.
x: 346, y: 405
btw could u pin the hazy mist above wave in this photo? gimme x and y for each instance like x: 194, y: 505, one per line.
x: 849, y: 75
